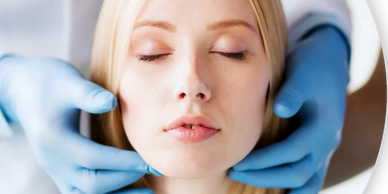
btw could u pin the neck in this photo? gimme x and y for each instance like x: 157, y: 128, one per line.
x: 216, y: 184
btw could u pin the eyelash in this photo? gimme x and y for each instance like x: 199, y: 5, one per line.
x: 149, y: 58
x: 240, y: 56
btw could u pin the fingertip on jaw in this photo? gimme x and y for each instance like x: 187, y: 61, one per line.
x: 107, y: 100
x: 284, y: 107
x: 282, y: 111
x: 151, y: 170
x: 113, y: 102
x: 239, y: 167
x: 234, y: 175
x: 148, y: 191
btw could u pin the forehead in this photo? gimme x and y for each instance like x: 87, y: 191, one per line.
x: 197, y: 12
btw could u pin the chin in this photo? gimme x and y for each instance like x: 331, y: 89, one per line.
x: 188, y: 165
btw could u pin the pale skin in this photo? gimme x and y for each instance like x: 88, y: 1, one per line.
x: 203, y: 65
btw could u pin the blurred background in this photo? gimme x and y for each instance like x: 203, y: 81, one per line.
x: 365, y: 57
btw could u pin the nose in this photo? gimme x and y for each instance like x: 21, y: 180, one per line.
x: 192, y: 87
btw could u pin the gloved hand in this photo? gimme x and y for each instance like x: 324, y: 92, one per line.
x: 44, y: 96
x: 314, y: 90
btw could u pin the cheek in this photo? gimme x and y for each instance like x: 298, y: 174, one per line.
x: 130, y: 100
x: 141, y: 93
x: 143, y: 104
x: 137, y: 106
x: 246, y: 127
x: 127, y: 96
x: 244, y: 109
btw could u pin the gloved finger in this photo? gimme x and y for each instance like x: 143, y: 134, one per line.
x: 286, y: 176
x: 289, y: 100
x: 303, y: 77
x: 100, y: 181
x: 292, y: 149
x: 134, y: 191
x: 314, y: 185
x: 90, y: 97
x: 91, y: 155
x: 295, y: 91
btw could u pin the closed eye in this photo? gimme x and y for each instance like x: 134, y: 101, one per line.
x: 237, y: 56
x: 149, y: 58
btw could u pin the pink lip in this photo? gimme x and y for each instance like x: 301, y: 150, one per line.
x: 205, y: 131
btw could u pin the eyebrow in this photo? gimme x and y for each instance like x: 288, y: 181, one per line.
x: 213, y: 26
x: 159, y: 24
x: 229, y: 23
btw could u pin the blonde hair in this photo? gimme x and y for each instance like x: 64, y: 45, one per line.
x: 111, y: 42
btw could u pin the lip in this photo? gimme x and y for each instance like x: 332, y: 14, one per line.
x: 205, y: 130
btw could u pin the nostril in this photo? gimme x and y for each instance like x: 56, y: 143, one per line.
x: 202, y: 96
x: 182, y: 95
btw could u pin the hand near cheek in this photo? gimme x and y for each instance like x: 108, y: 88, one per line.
x: 315, y: 92
x: 45, y: 96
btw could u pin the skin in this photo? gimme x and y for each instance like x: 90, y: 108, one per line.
x: 189, y: 74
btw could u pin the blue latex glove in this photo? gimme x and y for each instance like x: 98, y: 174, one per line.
x: 44, y: 96
x: 314, y: 90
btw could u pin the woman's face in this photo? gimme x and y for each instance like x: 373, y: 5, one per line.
x: 193, y: 89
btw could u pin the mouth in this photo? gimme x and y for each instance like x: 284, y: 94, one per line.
x: 190, y: 122
x: 192, y: 129
x: 192, y: 126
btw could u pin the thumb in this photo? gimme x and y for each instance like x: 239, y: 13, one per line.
x: 288, y: 101
x: 91, y: 97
